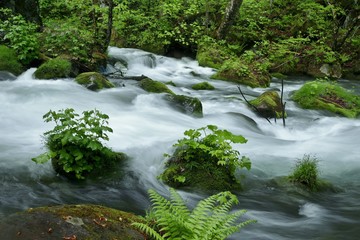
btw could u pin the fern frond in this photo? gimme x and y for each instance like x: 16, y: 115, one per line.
x: 148, y: 231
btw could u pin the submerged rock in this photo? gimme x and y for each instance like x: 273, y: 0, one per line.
x: 93, y: 81
x: 203, y: 86
x: 152, y: 86
x: 186, y: 104
x: 82, y: 222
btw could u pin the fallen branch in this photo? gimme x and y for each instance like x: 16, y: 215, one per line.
x: 255, y: 108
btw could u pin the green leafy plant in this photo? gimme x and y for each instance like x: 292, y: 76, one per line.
x: 306, y: 172
x: 75, y: 142
x: 209, y: 220
x: 205, y: 151
x: 21, y: 36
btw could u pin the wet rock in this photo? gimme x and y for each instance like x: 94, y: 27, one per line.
x: 269, y: 105
x: 76, y: 222
x: 93, y: 81
x: 152, y: 86
x: 186, y: 104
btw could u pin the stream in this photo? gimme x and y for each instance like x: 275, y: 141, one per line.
x: 145, y: 127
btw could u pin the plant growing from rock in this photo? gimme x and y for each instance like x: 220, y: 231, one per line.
x: 210, y: 219
x: 74, y: 145
x: 306, y: 172
x: 205, y: 159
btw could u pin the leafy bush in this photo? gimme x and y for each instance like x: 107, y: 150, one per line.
x: 210, y: 219
x: 21, y: 36
x: 306, y: 172
x: 202, y: 154
x: 75, y: 142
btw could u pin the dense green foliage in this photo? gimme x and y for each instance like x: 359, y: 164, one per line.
x: 20, y: 35
x: 209, y: 220
x: 206, y: 151
x: 322, y: 94
x: 8, y: 61
x: 75, y: 142
x: 283, y: 36
x: 306, y: 172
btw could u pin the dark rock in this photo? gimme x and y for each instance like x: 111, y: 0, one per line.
x: 70, y: 222
x: 186, y: 104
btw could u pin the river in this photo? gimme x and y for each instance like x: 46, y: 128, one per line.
x: 145, y: 127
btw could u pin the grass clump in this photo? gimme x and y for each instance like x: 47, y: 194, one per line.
x: 306, y: 172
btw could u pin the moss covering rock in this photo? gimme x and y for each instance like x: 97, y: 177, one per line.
x: 203, y: 86
x: 85, y: 222
x: 329, y: 96
x: 8, y: 61
x: 186, y: 104
x: 152, y: 86
x: 54, y: 69
x: 93, y: 81
x: 239, y: 71
x: 269, y: 105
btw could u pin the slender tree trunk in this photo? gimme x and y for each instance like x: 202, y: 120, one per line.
x: 109, y: 23
x: 231, y: 13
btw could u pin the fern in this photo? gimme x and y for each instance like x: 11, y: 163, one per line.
x: 210, y: 219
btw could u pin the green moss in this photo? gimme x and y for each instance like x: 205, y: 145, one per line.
x: 53, y: 69
x: 8, y: 61
x: 203, y: 86
x: 154, y: 86
x: 240, y: 72
x: 328, y: 96
x: 93, y: 81
x: 269, y: 104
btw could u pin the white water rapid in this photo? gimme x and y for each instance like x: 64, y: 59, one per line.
x: 145, y: 127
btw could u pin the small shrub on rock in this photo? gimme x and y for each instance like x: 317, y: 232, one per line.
x: 205, y: 159
x: 75, y: 146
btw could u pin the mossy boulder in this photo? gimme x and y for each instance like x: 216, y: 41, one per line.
x: 86, y: 222
x: 329, y: 96
x: 239, y: 71
x: 8, y: 61
x: 152, y: 86
x: 269, y: 105
x: 54, y: 69
x: 93, y: 81
x: 203, y: 86
x: 211, y: 55
x: 186, y: 104
x: 324, y: 70
x: 209, y: 177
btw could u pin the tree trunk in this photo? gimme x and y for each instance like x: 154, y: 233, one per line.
x: 230, y: 16
x: 109, y: 24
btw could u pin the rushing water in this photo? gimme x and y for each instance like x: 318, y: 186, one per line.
x: 145, y: 127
